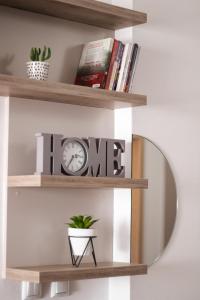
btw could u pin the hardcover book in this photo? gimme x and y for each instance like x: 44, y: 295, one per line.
x: 131, y: 70
x: 94, y: 63
x: 112, y: 64
x: 118, y: 65
x: 125, y: 64
x: 131, y: 86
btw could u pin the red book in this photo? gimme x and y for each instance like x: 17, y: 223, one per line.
x: 113, y: 59
x: 93, y: 80
x: 94, y: 63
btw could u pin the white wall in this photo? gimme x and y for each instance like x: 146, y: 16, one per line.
x: 168, y: 73
x: 121, y: 287
x: 36, y: 217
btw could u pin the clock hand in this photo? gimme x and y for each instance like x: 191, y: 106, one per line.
x: 70, y: 161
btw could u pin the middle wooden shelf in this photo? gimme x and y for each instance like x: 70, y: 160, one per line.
x: 67, y: 93
x: 75, y: 182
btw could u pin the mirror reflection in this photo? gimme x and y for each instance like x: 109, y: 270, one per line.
x: 154, y: 209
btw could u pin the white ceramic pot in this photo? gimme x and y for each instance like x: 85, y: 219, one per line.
x: 38, y: 70
x: 79, y: 239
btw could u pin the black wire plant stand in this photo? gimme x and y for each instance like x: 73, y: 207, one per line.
x: 76, y: 259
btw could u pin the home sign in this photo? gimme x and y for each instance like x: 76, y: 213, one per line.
x: 56, y: 155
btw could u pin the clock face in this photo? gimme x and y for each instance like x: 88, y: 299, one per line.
x: 74, y: 156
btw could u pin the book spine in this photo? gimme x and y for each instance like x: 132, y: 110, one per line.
x: 116, y: 68
x: 119, y: 61
x: 131, y: 67
x: 113, y: 58
x: 127, y: 67
x: 103, y: 83
x: 112, y: 80
x: 131, y: 87
x: 121, y: 72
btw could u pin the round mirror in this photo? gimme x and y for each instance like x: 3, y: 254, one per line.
x: 154, y: 209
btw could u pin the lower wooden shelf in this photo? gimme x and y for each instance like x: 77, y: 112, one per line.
x: 42, y: 274
x: 75, y: 182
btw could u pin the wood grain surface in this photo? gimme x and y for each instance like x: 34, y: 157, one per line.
x: 42, y: 274
x: 82, y: 11
x: 75, y: 182
x: 137, y: 200
x: 67, y: 93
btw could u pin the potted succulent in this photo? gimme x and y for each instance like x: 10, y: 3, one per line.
x: 80, y: 233
x: 38, y: 67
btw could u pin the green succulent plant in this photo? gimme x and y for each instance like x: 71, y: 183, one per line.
x: 37, y: 54
x: 80, y: 221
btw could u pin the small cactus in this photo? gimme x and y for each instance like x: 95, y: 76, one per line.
x: 37, y: 54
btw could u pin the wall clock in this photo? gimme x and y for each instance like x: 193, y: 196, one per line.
x: 73, y: 156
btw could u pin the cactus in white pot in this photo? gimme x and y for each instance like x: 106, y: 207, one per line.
x: 38, y: 66
x: 80, y: 230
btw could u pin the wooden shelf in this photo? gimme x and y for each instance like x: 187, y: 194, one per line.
x: 83, y: 11
x: 75, y: 182
x: 42, y: 274
x: 67, y: 93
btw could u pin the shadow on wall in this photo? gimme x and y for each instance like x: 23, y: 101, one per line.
x: 70, y: 64
x: 5, y: 63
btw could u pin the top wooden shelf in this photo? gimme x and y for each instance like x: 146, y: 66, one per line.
x: 67, y: 93
x: 89, y: 12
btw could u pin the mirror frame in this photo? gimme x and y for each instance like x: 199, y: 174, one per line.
x: 137, y: 203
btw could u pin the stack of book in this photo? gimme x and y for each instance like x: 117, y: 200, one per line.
x: 108, y: 64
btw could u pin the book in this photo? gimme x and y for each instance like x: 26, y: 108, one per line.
x: 131, y: 67
x: 108, y: 64
x: 119, y: 61
x: 123, y: 73
x: 127, y: 67
x: 131, y: 85
x: 94, y: 63
x: 112, y: 62
x: 116, y: 65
